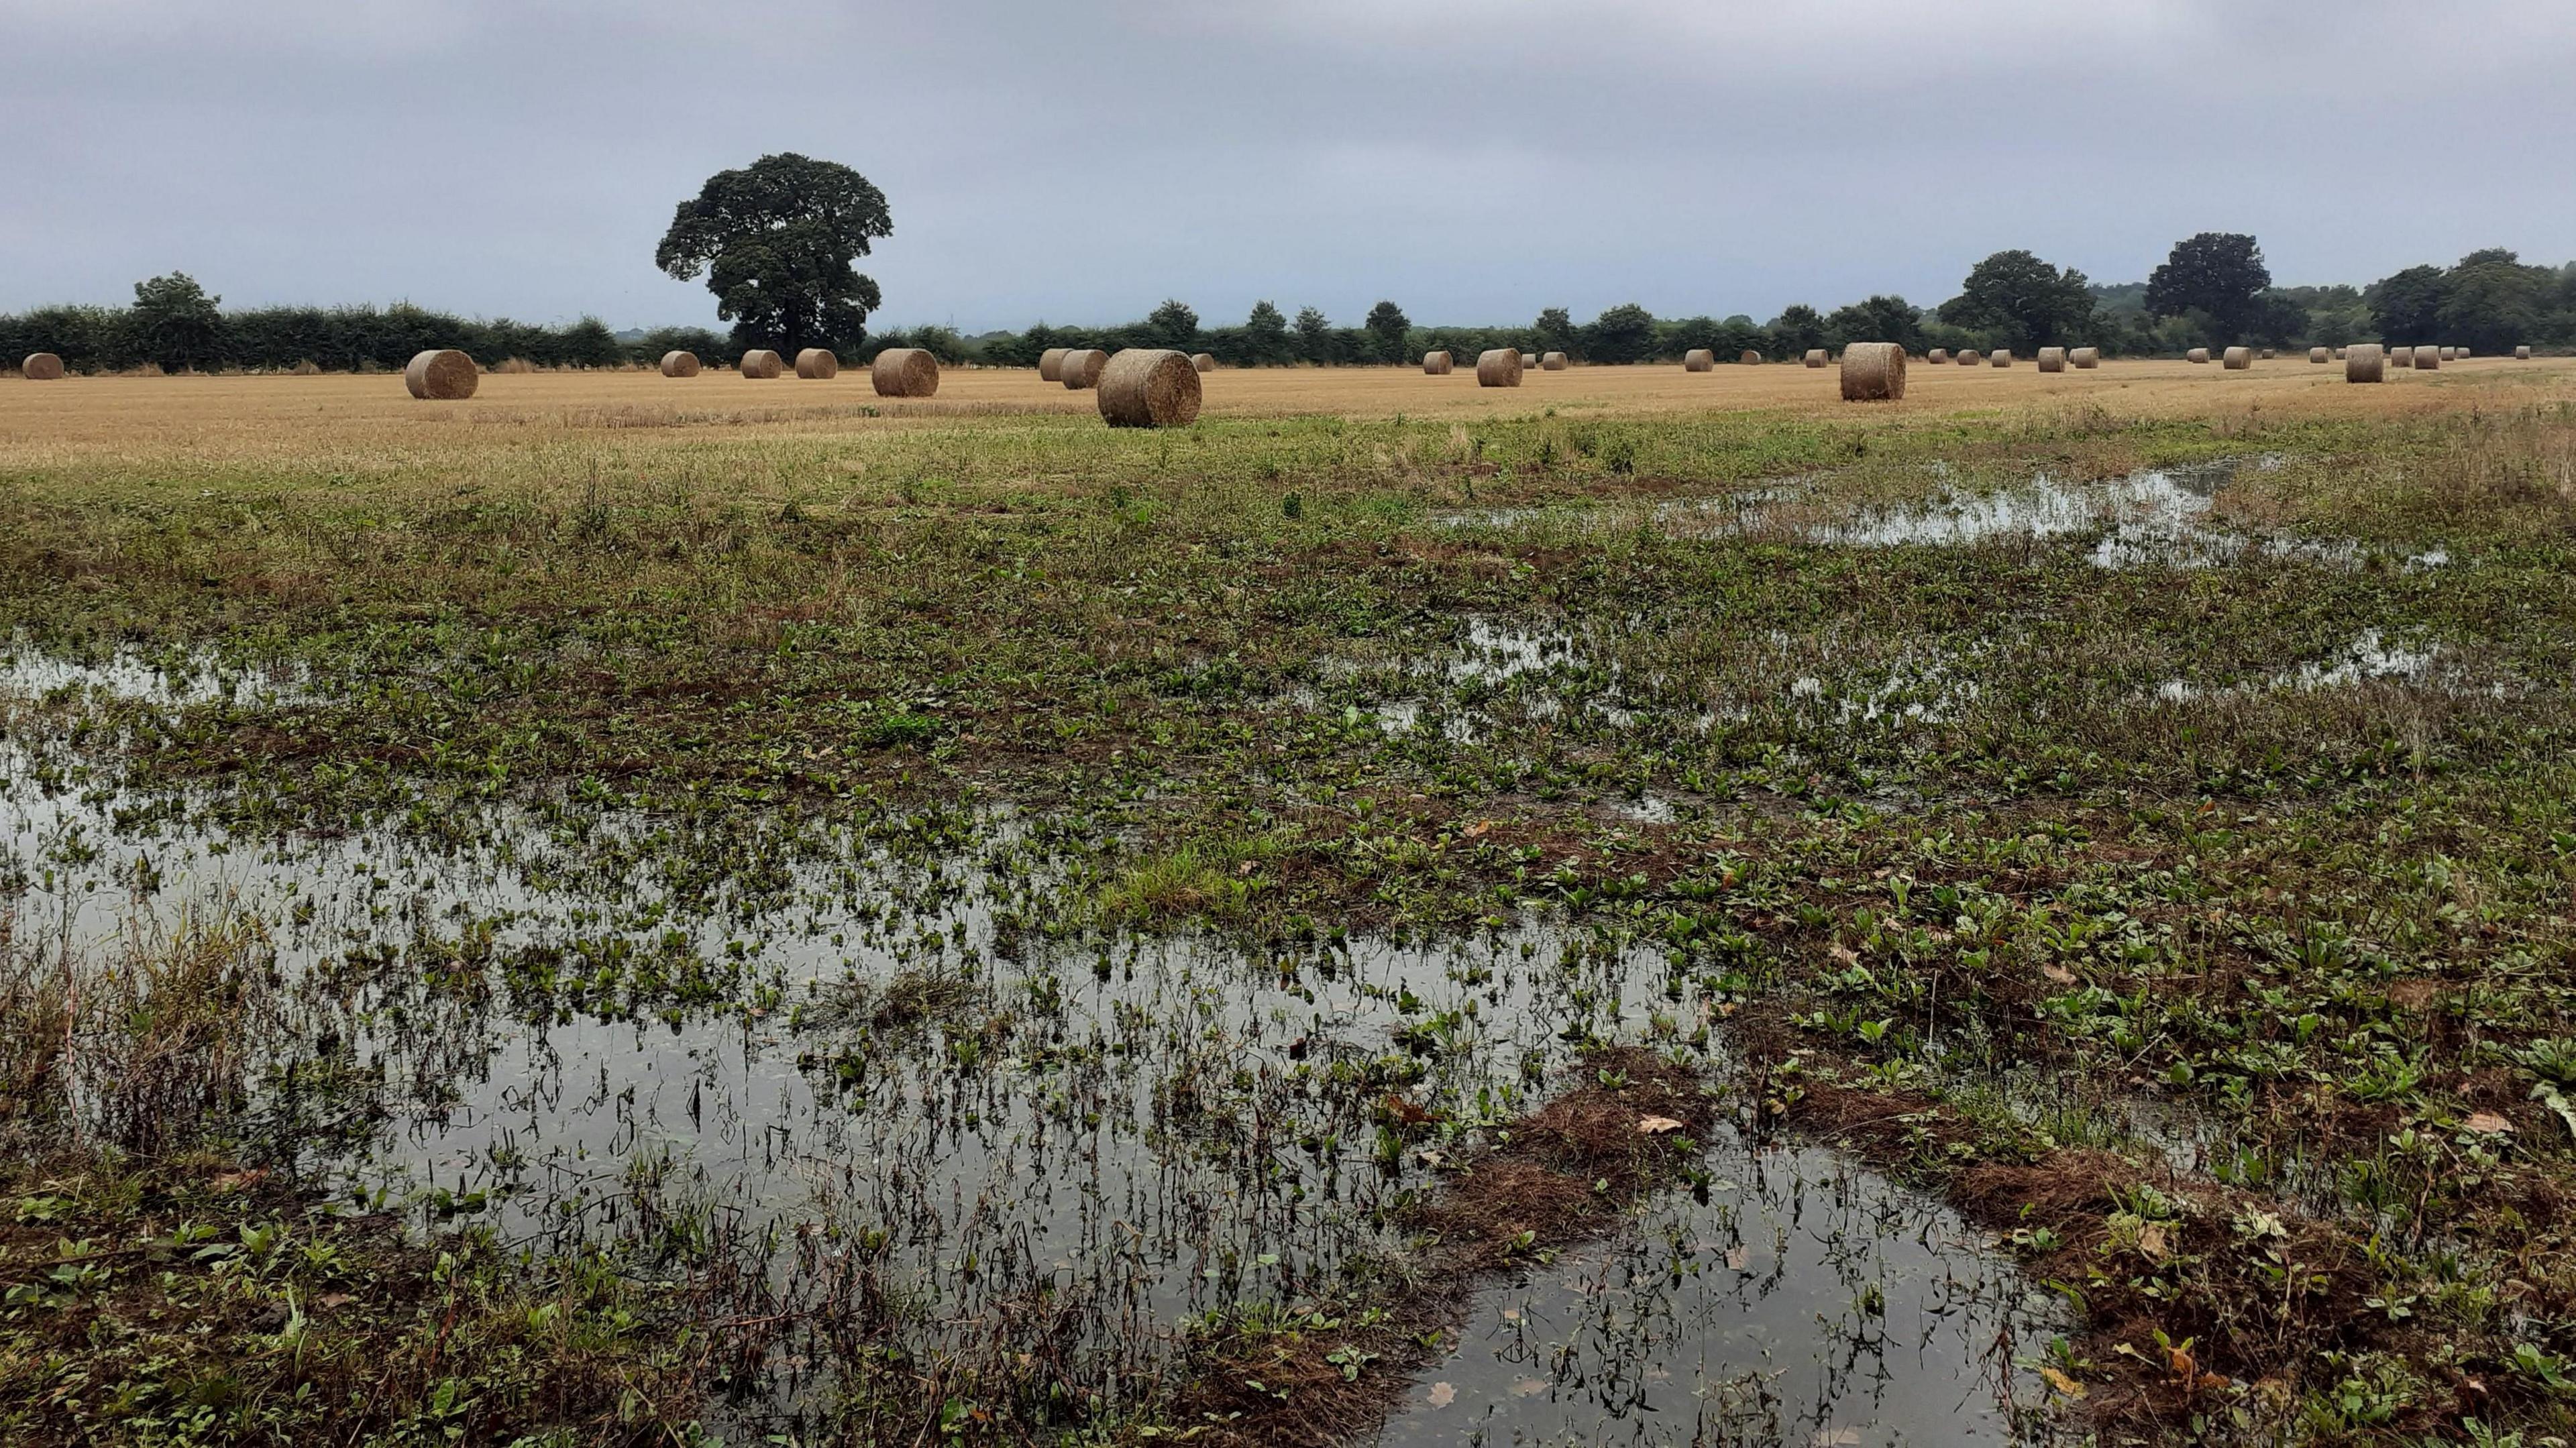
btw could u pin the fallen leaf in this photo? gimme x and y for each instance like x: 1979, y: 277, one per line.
x: 233, y: 1181
x: 1843, y: 953
x: 1442, y: 1395
x: 2058, y: 973
x: 1478, y: 830
x: 2186, y: 1369
x: 2487, y: 1123
x: 2152, y: 1242
x: 1736, y: 1257
x: 334, y: 1301
x: 1406, y: 1111
x: 1657, y: 1125
x: 2064, y: 1384
x: 1835, y: 1438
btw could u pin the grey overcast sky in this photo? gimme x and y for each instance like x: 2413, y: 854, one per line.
x: 1081, y: 160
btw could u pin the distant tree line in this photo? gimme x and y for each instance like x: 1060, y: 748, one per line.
x: 2213, y: 290
x: 174, y: 324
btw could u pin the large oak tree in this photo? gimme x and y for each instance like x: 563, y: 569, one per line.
x: 777, y: 241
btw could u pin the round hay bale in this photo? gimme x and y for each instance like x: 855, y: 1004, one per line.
x: 2399, y: 356
x: 1552, y: 362
x: 1204, y: 361
x: 442, y: 374
x: 2000, y: 357
x: 2238, y: 359
x: 1438, y: 364
x: 1149, y: 387
x: 2085, y: 359
x: 1499, y: 368
x: 2365, y: 362
x: 1938, y: 356
x: 1816, y: 357
x: 2196, y: 354
x: 814, y: 364
x: 2520, y: 354
x: 1749, y: 358
x: 2052, y: 359
x: 2266, y: 354
x: 1873, y: 372
x: 1051, y: 364
x: 760, y: 364
x: 46, y: 367
x: 2463, y: 355
x: 2428, y: 359
x: 905, y: 372
x: 679, y: 364
x: 1081, y: 367
x: 1699, y: 359
x: 2320, y: 354
x: 1969, y: 357
x: 306, y: 368
x: 514, y: 366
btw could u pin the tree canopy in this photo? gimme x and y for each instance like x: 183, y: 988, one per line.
x: 1387, y: 325
x: 1624, y: 333
x: 1173, y: 324
x: 2219, y: 274
x: 1798, y: 328
x: 777, y: 241
x: 2023, y: 301
x: 1877, y: 319
x: 176, y: 324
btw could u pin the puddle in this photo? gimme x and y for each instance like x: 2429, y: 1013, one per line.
x: 2152, y: 501
x: 2369, y: 657
x: 1646, y: 809
x: 861, y: 1053
x: 1915, y: 686
x: 170, y: 680
x: 575, y: 1026
x: 2153, y: 517
x: 1805, y: 1302
x: 1496, y: 650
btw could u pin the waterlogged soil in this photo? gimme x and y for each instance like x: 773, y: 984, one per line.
x: 1794, y: 1299
x: 1020, y: 928
x: 854, y: 1073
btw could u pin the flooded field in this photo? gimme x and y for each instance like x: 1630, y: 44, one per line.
x: 919, y: 1124
x: 1572, y: 928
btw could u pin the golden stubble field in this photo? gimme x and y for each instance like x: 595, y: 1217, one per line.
x: 214, y: 421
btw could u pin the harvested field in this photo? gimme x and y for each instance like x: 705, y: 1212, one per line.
x: 244, y: 412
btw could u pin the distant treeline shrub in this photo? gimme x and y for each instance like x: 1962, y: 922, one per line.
x: 2214, y: 293
x: 174, y: 325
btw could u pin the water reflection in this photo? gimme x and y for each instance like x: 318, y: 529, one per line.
x: 1805, y: 1302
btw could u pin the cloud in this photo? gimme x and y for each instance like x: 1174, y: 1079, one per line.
x: 1472, y: 159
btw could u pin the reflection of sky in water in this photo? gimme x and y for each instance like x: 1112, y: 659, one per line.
x: 1090, y: 1143
x: 2151, y: 517
x: 1136, y: 1131
x: 1804, y: 1303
